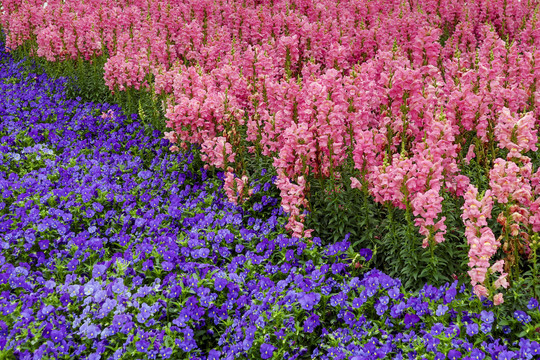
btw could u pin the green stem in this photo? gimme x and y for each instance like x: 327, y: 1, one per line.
x: 392, y: 224
x: 536, y: 278
x: 365, y: 192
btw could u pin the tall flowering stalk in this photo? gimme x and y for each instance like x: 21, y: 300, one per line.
x: 510, y: 180
x: 483, y: 245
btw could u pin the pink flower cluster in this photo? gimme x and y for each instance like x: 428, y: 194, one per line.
x: 236, y: 189
x: 217, y: 152
x: 293, y: 202
x: 515, y: 186
x: 320, y: 85
x: 482, y: 242
x: 516, y: 134
x: 428, y: 205
x: 124, y: 71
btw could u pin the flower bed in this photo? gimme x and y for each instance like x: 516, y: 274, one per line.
x: 114, y: 248
x: 410, y: 125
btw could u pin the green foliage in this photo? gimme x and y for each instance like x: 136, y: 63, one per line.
x: 7, y: 355
x: 399, y: 251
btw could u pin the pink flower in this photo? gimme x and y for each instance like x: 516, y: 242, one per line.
x: 470, y: 154
x: 478, y: 275
x: 498, y: 267
x: 498, y: 299
x: 355, y: 183
x: 513, y: 133
x: 501, y: 281
x: 480, y: 291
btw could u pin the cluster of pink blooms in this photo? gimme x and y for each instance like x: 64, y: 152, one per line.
x: 236, y: 188
x: 513, y: 182
x: 397, y: 89
x: 516, y: 135
x: 293, y: 200
x: 218, y: 152
x: 482, y: 242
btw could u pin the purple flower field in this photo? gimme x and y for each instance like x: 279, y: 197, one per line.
x: 112, y: 247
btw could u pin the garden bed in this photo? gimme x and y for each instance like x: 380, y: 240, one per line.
x: 115, y: 248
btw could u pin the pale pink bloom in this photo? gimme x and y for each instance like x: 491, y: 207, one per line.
x: 478, y: 275
x: 522, y: 129
x: 501, y: 281
x: 355, y: 183
x: 480, y: 290
x: 498, y: 299
x: 171, y: 136
x: 470, y: 154
x: 498, y: 266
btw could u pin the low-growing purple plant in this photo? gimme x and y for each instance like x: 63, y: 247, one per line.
x: 114, y: 248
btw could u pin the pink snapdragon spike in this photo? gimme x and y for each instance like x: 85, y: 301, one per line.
x: 217, y: 152
x: 482, y: 242
x: 236, y: 189
x: 508, y: 182
x: 230, y: 187
x: 470, y: 154
x: 428, y: 205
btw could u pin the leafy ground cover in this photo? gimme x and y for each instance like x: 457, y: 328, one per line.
x: 113, y: 247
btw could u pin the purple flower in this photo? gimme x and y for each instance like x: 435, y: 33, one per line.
x: 267, y: 351
x: 166, y: 352
x: 118, y: 286
x: 72, y: 265
x: 142, y: 346
x: 98, y: 270
x: 506, y: 355
x: 380, y: 308
x: 472, y: 329
x: 186, y: 345
x: 92, y: 331
x: 311, y: 323
x: 220, y: 284
x: 56, y: 335
x: 145, y: 174
x: 167, y: 266
x: 119, y: 320
x: 485, y: 327
x: 338, y: 299
x: 441, y: 310
x: 410, y: 320
x: 97, y: 207
x: 533, y: 304
x: 307, y: 301
x: 358, y: 302
x: 522, y: 317
x: 366, y: 253
x: 43, y: 244
x: 213, y: 355
x: 108, y: 306
x: 450, y: 295
x: 454, y: 354
x: 486, y: 316
x: 90, y: 288
x: 477, y: 354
